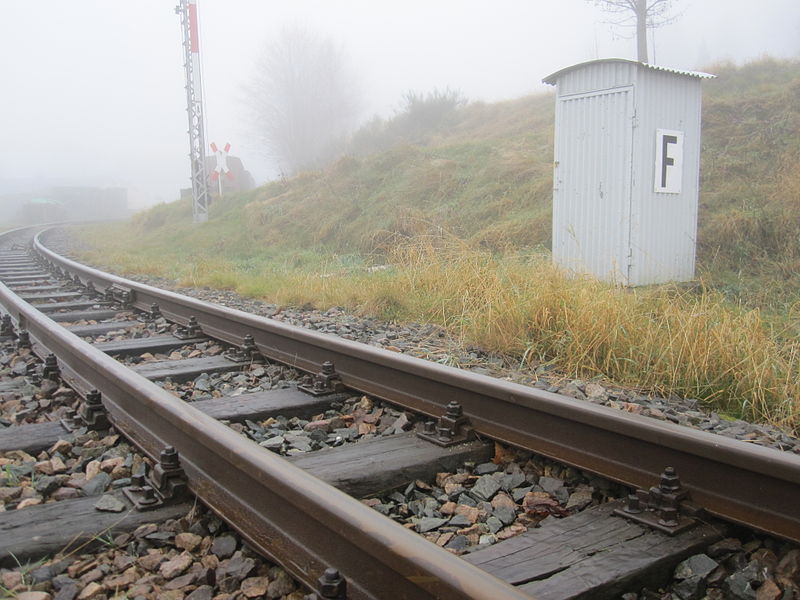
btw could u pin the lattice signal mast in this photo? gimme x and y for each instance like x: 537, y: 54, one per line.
x: 187, y: 9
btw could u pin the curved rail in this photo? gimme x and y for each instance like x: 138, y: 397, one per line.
x: 747, y: 484
x: 285, y: 513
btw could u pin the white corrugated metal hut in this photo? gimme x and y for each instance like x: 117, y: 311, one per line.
x: 626, y: 175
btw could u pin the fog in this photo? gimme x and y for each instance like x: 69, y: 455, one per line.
x: 93, y: 89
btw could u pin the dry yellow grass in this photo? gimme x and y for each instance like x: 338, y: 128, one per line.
x: 669, y: 340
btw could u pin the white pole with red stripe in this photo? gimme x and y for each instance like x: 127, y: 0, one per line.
x: 187, y: 9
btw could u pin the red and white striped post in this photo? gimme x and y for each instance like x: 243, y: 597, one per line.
x: 187, y: 9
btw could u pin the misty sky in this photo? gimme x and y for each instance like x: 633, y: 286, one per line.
x: 93, y: 89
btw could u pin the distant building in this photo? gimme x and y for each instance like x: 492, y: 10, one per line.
x: 90, y: 203
x: 65, y: 203
x: 43, y: 210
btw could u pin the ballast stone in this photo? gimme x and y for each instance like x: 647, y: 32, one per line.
x: 697, y: 565
x: 486, y: 487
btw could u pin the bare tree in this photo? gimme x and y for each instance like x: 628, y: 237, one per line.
x: 641, y: 14
x: 302, y: 99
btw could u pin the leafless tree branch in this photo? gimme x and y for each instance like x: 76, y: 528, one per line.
x: 641, y: 14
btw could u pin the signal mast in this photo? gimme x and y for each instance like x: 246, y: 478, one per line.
x: 187, y: 9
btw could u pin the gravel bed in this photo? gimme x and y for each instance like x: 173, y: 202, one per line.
x: 253, y: 378
x: 84, y: 464
x: 134, y: 331
x: 186, y: 351
x: 479, y: 505
x: 745, y: 567
x: 192, y: 558
x: 26, y: 397
x: 346, y: 422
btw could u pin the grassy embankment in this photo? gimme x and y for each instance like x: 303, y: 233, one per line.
x: 462, y: 216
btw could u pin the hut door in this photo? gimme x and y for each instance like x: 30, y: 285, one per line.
x: 592, y: 183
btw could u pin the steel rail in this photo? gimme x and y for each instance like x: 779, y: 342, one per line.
x: 282, y: 511
x: 751, y: 485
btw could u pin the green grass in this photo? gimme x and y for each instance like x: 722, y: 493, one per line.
x: 462, y: 217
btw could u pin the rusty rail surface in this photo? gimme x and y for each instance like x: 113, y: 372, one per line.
x: 282, y: 511
x: 747, y: 484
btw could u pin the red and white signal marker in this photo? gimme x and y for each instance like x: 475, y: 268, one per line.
x: 222, y: 165
x: 222, y: 162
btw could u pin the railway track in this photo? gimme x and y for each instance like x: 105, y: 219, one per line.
x: 304, y: 511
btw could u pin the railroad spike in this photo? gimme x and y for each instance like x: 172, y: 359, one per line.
x: 669, y: 512
x: 633, y: 505
x: 126, y: 299
x: 670, y: 482
x: 168, y: 477
x: 660, y: 506
x: 137, y: 482
x: 116, y: 293
x: 169, y: 458
x: 23, y: 339
x: 93, y: 413
x: 249, y: 347
x: 152, y: 314
x: 166, y: 483
x: 51, y: 370
x: 247, y: 352
x: 327, y: 381
x: 191, y: 330
x: 454, y: 410
x: 452, y: 428
x: 148, y: 497
x: 443, y: 434
x: 330, y: 586
x: 68, y: 420
x: 7, y: 328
